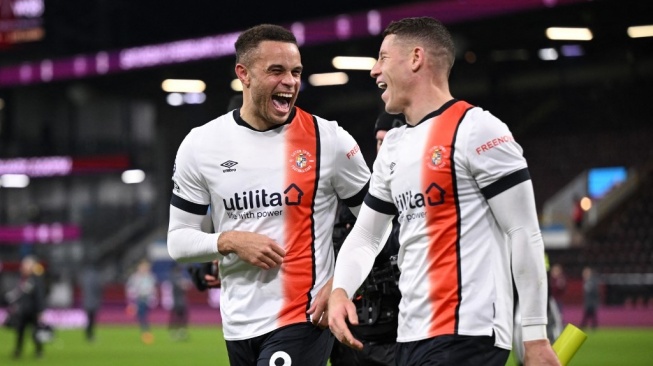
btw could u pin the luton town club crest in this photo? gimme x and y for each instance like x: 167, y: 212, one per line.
x: 438, y: 157
x: 301, y: 160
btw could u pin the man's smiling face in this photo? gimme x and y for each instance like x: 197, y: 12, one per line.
x: 274, y: 82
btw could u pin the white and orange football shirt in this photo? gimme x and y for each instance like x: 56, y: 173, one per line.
x: 454, y: 259
x: 283, y: 183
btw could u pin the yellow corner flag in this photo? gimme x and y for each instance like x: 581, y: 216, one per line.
x: 568, y: 343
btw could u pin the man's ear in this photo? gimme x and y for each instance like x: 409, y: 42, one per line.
x: 417, y: 58
x: 243, y: 74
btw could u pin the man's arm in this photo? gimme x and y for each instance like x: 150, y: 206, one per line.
x: 515, y: 212
x: 386, y: 234
x: 188, y: 243
x: 186, y: 240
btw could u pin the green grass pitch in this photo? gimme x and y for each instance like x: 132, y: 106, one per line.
x: 121, y: 345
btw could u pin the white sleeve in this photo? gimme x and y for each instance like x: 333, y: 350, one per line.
x: 360, y: 248
x: 490, y: 148
x: 188, y: 182
x: 388, y: 231
x: 187, y: 242
x: 189, y: 204
x: 515, y: 212
x: 352, y: 173
x: 496, y: 159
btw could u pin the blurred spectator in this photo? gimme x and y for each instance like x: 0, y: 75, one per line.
x: 577, y: 218
x: 179, y: 313
x: 577, y: 213
x: 26, y: 303
x: 590, y: 298
x: 557, y: 284
x: 91, y: 298
x: 141, y: 294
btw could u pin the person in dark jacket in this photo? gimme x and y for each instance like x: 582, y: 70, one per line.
x: 26, y: 304
x: 178, y: 321
x: 91, y: 299
x: 591, y: 298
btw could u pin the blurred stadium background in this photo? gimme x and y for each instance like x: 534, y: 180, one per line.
x: 88, y: 135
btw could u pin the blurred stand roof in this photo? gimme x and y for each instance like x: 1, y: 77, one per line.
x: 499, y: 42
x: 82, y: 26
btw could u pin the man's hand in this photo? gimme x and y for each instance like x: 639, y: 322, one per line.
x: 319, y: 309
x: 255, y: 249
x: 212, y: 278
x: 539, y: 353
x: 341, y: 310
x: 206, y: 275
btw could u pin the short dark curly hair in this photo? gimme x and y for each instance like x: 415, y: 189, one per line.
x: 252, y: 37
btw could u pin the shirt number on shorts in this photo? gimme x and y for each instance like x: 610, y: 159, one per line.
x: 280, y: 355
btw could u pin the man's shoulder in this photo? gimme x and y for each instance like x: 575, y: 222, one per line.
x: 394, y: 133
x: 218, y: 122
x: 480, y: 115
x: 321, y: 121
x: 329, y: 129
x: 209, y: 128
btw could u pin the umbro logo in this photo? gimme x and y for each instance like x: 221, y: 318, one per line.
x: 392, y: 168
x: 229, y: 164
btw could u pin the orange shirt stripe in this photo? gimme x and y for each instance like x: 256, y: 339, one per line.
x: 298, y: 269
x: 442, y: 220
